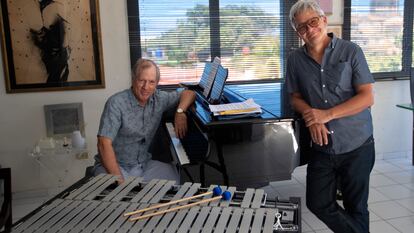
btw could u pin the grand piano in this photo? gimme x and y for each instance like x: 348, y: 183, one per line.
x: 246, y: 151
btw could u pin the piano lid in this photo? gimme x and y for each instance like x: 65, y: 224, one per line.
x: 270, y: 96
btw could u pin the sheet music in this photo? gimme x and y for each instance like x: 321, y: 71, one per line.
x: 219, y: 82
x: 211, y: 77
x: 246, y: 107
x: 205, y: 75
x: 199, y: 86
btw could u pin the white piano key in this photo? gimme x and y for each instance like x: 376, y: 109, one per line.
x: 179, y: 149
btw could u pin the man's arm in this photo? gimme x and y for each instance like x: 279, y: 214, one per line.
x: 107, y: 153
x: 316, y: 118
x: 318, y: 132
x: 362, y: 100
x: 180, y: 121
x: 298, y: 104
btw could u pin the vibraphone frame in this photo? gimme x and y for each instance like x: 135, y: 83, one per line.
x: 97, y: 205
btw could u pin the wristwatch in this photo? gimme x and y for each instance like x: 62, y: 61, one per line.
x: 180, y: 110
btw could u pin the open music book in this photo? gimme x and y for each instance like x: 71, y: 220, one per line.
x: 211, y: 83
x: 246, y: 107
x: 211, y: 77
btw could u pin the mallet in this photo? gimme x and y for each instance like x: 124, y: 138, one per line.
x: 216, y: 192
x: 225, y: 196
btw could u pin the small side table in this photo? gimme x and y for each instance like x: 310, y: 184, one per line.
x: 409, y: 106
x: 58, y: 160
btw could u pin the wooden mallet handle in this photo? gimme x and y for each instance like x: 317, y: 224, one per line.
x: 216, y: 192
x: 226, y: 196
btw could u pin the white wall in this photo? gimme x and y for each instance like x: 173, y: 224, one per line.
x: 392, y: 125
x: 22, y: 120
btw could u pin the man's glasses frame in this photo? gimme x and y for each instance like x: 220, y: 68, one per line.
x: 312, y: 22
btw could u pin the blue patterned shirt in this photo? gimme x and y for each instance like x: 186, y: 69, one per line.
x: 131, y: 127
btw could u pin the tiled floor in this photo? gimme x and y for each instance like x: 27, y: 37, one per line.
x: 391, y: 201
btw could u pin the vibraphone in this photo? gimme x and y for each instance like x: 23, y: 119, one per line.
x: 98, y: 205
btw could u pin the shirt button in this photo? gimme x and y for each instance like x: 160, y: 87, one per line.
x: 321, y: 70
x: 323, y: 85
x: 326, y: 101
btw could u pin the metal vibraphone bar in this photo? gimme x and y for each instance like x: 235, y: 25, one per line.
x: 98, y: 205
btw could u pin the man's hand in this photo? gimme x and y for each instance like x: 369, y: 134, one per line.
x: 180, y: 124
x: 120, y: 180
x: 319, y: 134
x: 108, y: 157
x: 316, y: 116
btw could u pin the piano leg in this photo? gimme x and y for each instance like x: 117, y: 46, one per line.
x: 202, y: 175
x: 223, y: 169
x: 188, y: 174
x: 220, y: 166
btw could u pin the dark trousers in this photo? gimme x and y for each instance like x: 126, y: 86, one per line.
x: 353, y: 169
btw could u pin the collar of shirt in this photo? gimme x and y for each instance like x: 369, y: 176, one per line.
x: 333, y: 40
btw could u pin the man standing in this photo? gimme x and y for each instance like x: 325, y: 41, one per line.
x: 129, y: 122
x: 330, y: 85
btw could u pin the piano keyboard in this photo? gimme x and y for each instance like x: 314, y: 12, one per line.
x: 191, y: 149
x: 178, y: 147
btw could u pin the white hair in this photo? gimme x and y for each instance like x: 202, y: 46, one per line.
x: 301, y: 6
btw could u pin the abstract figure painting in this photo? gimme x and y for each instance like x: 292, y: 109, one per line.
x: 51, y: 45
x: 50, y: 40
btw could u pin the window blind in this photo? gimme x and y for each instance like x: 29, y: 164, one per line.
x: 377, y: 26
x: 252, y: 38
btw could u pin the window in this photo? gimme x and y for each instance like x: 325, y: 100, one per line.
x: 379, y: 27
x: 250, y: 39
x: 249, y: 36
x: 253, y: 38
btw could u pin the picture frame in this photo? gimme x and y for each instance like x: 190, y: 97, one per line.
x: 63, y: 119
x: 51, y: 45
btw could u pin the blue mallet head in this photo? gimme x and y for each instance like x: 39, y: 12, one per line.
x: 226, y: 196
x: 217, y: 191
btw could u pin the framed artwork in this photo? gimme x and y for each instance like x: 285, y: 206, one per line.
x: 51, y: 45
x: 63, y: 119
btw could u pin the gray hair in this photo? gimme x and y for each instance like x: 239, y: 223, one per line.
x: 143, y: 64
x: 301, y: 6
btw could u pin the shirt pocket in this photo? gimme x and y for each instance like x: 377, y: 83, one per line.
x: 339, y: 80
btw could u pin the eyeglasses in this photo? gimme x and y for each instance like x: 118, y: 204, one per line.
x: 313, y: 22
